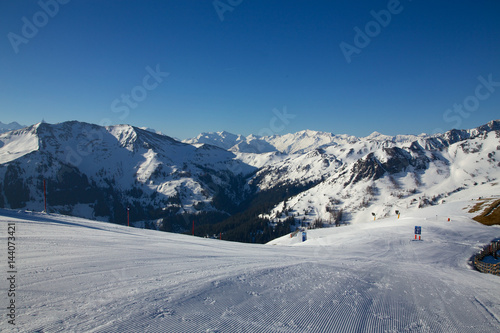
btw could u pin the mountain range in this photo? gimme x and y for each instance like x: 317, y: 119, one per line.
x: 241, y: 188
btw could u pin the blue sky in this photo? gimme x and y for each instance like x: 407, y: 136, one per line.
x: 262, y: 67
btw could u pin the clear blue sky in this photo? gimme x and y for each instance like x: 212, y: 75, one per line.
x: 229, y: 67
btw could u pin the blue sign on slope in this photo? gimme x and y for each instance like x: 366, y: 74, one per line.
x: 418, y: 230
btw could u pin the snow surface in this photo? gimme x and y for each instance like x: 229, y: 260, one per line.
x: 76, y: 275
x: 16, y: 144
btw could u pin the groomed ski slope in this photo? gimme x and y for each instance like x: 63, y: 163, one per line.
x: 76, y: 275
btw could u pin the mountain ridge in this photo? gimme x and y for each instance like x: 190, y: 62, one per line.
x: 309, y: 139
x: 300, y: 178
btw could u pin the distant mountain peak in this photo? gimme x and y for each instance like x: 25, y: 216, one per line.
x: 152, y: 130
x: 225, y: 133
x: 378, y: 136
x: 10, y: 126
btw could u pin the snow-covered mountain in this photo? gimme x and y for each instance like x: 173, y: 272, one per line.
x: 9, y: 127
x: 306, y: 177
x: 96, y: 172
x: 291, y: 143
x: 221, y: 139
x: 379, y: 177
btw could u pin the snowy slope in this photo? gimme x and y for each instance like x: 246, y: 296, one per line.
x: 75, y: 275
x: 16, y: 144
